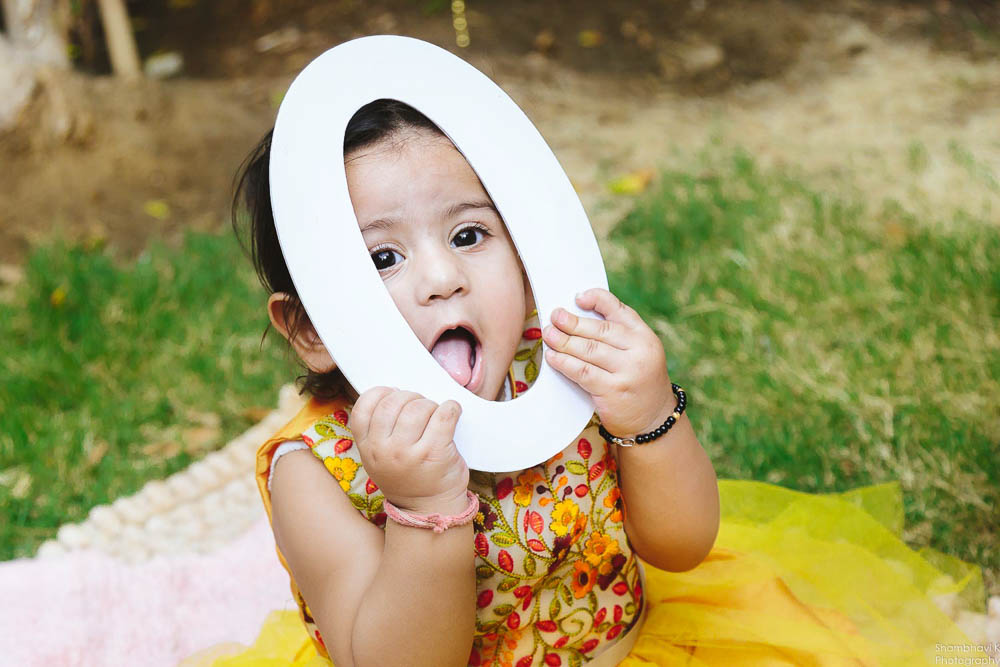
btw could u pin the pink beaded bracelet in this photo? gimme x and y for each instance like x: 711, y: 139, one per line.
x: 436, y: 521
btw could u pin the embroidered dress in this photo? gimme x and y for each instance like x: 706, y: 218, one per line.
x: 793, y: 579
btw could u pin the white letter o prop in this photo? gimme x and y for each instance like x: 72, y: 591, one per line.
x: 339, y: 284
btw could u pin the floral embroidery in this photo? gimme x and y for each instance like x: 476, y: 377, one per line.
x: 556, y: 578
x: 583, y: 578
x: 343, y: 470
x: 599, y: 549
x: 564, y: 517
x: 526, y: 482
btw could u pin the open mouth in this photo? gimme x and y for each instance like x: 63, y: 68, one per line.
x: 460, y: 354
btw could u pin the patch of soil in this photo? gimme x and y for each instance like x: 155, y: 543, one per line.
x: 612, y: 86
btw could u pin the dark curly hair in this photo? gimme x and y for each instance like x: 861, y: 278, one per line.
x: 371, y: 124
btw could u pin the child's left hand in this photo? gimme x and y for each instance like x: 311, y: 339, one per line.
x: 619, y: 361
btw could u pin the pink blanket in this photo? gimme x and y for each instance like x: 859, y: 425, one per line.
x: 87, y: 608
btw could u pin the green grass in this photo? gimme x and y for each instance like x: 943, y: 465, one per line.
x: 113, y: 375
x: 825, y: 345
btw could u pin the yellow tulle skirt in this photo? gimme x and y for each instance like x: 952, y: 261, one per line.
x: 794, y: 579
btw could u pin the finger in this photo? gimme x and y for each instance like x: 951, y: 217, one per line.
x: 413, y: 418
x: 441, y: 426
x: 590, y: 350
x: 361, y: 413
x: 594, y: 380
x: 609, y: 306
x: 610, y: 332
x: 386, y: 413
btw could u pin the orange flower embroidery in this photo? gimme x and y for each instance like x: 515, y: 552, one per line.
x: 583, y: 578
x: 612, y: 500
x: 599, y: 549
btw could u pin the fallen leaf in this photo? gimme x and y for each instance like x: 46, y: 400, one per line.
x: 632, y: 183
x: 157, y: 208
x: 588, y: 39
x: 545, y: 40
x: 58, y: 297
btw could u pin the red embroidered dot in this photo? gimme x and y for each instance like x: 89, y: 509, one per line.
x: 552, y: 660
x: 546, y: 626
x: 482, y: 545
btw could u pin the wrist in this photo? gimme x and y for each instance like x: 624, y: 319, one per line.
x: 663, y: 422
x: 449, y: 504
x: 654, y: 423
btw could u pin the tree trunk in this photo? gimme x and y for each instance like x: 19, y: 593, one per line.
x: 36, y: 28
x: 17, y: 82
x: 34, y: 40
x: 121, y: 42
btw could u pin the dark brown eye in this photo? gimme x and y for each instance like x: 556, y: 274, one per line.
x: 384, y: 258
x: 467, y: 236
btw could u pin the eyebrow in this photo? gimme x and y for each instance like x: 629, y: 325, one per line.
x: 455, y: 209
x: 388, y: 223
x: 381, y: 223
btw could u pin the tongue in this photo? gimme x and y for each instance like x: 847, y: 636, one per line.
x: 453, y: 352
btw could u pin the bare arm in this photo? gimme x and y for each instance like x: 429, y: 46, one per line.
x: 405, y: 596
x: 671, y: 497
x: 669, y: 486
x: 420, y: 608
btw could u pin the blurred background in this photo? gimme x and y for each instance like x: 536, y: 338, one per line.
x: 801, y: 197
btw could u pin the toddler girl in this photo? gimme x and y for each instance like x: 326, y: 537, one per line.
x: 605, y: 554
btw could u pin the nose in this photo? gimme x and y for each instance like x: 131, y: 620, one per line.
x: 440, y: 275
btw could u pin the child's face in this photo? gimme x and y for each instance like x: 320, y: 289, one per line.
x: 443, y: 253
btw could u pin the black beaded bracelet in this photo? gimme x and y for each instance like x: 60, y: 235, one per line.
x: 660, y: 430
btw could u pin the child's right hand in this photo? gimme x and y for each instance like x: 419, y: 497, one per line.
x: 407, y: 447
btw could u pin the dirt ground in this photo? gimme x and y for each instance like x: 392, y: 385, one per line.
x: 901, y: 99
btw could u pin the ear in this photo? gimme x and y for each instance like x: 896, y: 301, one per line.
x: 306, y: 343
